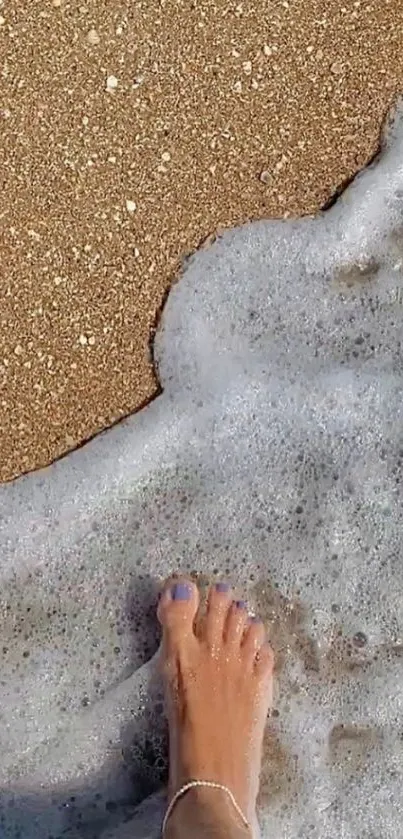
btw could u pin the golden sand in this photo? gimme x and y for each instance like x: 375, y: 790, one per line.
x: 130, y: 131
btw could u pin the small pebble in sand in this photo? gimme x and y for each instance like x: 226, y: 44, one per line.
x: 336, y: 68
x: 111, y: 83
x: 166, y: 156
x: 131, y: 206
x: 93, y: 37
x: 264, y: 176
x: 247, y: 67
x: 83, y: 340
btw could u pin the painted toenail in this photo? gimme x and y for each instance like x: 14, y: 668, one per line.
x: 222, y: 588
x: 240, y: 604
x: 181, y: 591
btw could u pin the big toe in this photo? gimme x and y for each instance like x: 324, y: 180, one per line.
x: 177, y: 609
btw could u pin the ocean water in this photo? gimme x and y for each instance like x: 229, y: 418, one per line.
x: 273, y: 456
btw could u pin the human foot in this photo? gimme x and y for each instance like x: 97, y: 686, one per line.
x: 218, y: 680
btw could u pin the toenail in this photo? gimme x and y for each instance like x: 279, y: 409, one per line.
x: 222, y: 588
x: 254, y: 619
x: 181, y: 591
x: 240, y: 604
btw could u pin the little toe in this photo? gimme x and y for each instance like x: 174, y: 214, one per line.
x: 177, y: 609
x: 235, y: 624
x: 219, y: 602
x: 254, y: 638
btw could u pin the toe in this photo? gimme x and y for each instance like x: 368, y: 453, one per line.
x: 236, y: 622
x: 254, y: 638
x: 219, y: 602
x: 177, y: 610
x: 264, y: 662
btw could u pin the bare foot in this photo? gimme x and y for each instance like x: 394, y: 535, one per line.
x: 218, y: 680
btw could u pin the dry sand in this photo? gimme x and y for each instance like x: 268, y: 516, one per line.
x: 131, y: 131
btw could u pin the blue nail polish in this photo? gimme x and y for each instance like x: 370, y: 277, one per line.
x: 240, y: 604
x: 222, y: 588
x: 181, y: 591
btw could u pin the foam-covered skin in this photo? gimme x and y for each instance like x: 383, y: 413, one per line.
x: 273, y: 456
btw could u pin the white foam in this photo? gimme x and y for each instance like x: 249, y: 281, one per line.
x: 274, y: 455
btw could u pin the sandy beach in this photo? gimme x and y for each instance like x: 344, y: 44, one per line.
x: 131, y: 132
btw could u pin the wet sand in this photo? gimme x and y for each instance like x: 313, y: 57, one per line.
x: 130, y: 132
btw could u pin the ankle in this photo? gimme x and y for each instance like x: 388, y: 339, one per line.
x: 206, y: 812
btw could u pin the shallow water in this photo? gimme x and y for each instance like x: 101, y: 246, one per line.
x: 274, y: 456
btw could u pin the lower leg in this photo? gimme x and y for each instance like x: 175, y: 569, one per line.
x: 218, y: 679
